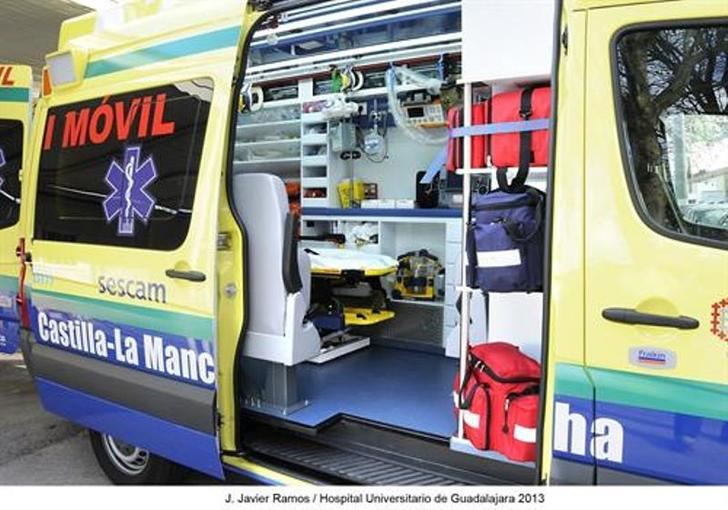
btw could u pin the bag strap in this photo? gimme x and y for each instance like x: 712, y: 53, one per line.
x: 465, y: 404
x: 524, y: 159
x: 512, y: 228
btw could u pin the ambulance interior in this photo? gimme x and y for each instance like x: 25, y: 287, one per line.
x: 350, y: 212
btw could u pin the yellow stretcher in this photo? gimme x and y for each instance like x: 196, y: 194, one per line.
x: 355, y: 316
x: 337, y: 267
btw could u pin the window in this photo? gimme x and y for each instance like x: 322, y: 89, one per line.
x: 673, y: 91
x: 11, y: 159
x: 122, y: 170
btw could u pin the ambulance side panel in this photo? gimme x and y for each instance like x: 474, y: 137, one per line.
x: 16, y: 84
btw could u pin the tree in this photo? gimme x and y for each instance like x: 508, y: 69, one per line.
x: 664, y: 72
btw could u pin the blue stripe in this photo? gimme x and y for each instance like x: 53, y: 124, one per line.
x: 435, y: 167
x: 193, y: 45
x: 658, y: 444
x: 501, y: 128
x: 127, y: 345
x: 180, y: 444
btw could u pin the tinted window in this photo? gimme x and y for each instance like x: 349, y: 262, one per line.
x: 673, y: 86
x: 122, y: 170
x: 11, y: 159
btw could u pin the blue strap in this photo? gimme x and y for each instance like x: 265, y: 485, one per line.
x: 435, y: 167
x: 501, y: 128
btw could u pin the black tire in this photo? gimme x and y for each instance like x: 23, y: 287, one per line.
x: 153, y: 471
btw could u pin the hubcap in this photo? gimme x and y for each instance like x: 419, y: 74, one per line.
x: 126, y: 458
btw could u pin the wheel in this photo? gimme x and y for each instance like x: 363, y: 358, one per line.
x: 126, y: 464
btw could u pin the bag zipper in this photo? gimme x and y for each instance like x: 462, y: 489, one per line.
x: 480, y: 365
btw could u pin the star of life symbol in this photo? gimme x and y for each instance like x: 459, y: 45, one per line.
x: 129, y: 198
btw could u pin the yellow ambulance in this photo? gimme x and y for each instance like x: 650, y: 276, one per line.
x: 164, y: 291
x: 16, y: 84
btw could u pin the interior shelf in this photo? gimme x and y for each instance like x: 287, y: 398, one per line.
x: 314, y: 202
x: 317, y: 160
x: 315, y: 139
x: 286, y: 166
x: 290, y: 147
x: 257, y: 131
x: 315, y: 182
x: 268, y: 144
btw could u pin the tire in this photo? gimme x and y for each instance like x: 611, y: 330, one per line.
x: 124, y: 464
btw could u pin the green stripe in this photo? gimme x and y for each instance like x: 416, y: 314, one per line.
x: 572, y: 381
x: 14, y: 95
x: 175, y: 323
x: 647, y: 391
x: 8, y: 283
x: 193, y: 45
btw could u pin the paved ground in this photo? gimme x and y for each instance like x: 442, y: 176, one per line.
x: 37, y: 448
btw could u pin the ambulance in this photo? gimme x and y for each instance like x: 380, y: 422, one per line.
x: 188, y: 169
x: 16, y: 84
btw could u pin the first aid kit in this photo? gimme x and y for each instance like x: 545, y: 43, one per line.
x: 499, y: 399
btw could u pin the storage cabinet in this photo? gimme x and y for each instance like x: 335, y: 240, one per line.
x: 508, y: 41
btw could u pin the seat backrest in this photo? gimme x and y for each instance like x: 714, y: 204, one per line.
x: 273, y: 270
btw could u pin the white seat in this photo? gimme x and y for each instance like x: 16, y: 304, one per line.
x: 278, y: 275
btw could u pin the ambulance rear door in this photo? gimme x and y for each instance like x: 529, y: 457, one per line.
x: 16, y: 84
x: 656, y: 307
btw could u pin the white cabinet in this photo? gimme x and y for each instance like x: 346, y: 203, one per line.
x: 507, y: 41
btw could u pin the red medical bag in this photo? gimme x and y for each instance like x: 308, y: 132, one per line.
x: 499, y: 400
x: 527, y: 148
x: 478, y: 142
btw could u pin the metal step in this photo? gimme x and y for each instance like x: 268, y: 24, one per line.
x: 349, y: 467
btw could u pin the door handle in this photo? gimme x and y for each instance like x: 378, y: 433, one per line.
x: 192, y: 276
x: 632, y: 316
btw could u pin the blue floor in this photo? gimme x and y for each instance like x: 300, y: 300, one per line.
x: 397, y: 387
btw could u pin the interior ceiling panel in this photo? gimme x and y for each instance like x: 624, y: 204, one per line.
x: 29, y: 30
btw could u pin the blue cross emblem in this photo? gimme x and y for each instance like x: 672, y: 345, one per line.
x: 129, y: 198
